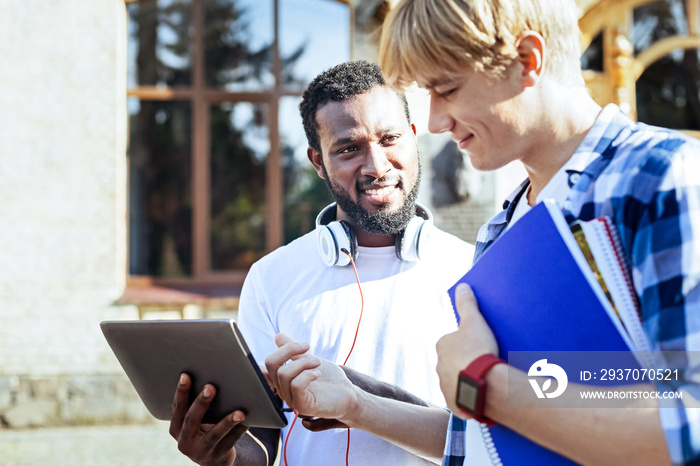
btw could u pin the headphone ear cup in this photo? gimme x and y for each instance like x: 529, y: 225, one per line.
x: 332, y: 239
x: 408, y: 243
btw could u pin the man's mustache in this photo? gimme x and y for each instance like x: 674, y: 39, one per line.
x: 376, y: 183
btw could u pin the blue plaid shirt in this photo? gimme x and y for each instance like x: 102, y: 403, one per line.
x: 647, y: 180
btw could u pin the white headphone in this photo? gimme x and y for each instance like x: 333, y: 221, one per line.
x: 334, y: 236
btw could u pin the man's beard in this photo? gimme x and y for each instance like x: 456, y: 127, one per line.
x: 383, y: 222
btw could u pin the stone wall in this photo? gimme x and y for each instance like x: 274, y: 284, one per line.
x: 33, y: 401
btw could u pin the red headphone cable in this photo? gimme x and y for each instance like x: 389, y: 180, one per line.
x: 357, y: 330
x: 362, y: 305
x: 286, y: 441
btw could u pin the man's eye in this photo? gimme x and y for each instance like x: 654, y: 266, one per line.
x: 346, y: 150
x: 446, y: 93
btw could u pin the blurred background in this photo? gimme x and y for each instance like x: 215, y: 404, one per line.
x: 151, y: 151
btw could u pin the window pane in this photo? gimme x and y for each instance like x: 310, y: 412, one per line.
x: 160, y: 203
x: 658, y: 20
x: 314, y: 36
x: 592, y: 58
x: 159, y: 43
x: 668, y: 92
x: 239, y: 147
x: 305, y: 193
x: 238, y: 44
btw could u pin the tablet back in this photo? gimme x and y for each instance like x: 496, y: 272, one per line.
x: 154, y: 353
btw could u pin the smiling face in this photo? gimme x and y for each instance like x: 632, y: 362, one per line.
x: 369, y: 160
x: 487, y: 117
x: 495, y: 119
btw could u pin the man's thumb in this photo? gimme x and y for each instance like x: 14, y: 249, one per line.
x: 465, y: 302
x: 281, y: 339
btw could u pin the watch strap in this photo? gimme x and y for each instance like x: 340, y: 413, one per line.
x: 478, y: 367
x: 476, y: 370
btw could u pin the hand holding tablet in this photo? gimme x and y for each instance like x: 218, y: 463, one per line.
x: 154, y: 354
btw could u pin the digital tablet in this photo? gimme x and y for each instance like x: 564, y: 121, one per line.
x: 154, y: 353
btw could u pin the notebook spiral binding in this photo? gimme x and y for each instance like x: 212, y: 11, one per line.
x: 491, y: 450
x: 632, y: 318
x: 617, y: 249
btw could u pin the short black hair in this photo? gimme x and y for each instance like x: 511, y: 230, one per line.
x: 335, y: 85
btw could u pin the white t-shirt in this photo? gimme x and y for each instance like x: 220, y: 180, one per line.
x: 406, y: 310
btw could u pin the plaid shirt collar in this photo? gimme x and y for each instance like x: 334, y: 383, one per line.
x: 590, y: 159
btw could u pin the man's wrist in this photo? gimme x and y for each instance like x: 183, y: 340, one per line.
x: 472, y: 386
x: 356, y: 407
x: 497, y: 398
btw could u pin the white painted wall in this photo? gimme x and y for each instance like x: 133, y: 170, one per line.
x: 62, y: 182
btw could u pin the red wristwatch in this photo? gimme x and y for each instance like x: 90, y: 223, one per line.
x: 471, y: 388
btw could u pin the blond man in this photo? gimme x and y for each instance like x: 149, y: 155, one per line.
x: 505, y: 81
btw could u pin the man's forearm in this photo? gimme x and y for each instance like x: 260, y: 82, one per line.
x: 420, y: 430
x: 382, y: 389
x: 587, y: 435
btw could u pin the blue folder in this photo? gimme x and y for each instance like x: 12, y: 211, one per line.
x: 536, y: 296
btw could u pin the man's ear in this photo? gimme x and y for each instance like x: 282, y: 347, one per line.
x: 316, y: 160
x: 531, y: 52
x: 413, y: 128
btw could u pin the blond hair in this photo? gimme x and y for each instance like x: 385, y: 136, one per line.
x: 426, y: 38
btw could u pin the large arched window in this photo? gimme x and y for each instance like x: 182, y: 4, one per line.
x: 644, y: 55
x: 218, y: 174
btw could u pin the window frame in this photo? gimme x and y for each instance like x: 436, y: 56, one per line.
x: 201, y: 98
x: 618, y: 81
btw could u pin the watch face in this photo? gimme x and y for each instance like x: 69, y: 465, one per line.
x: 467, y: 393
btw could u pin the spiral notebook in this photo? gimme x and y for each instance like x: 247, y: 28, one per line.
x: 537, y: 292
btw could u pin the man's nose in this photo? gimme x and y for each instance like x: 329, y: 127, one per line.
x: 377, y: 162
x: 438, y: 119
